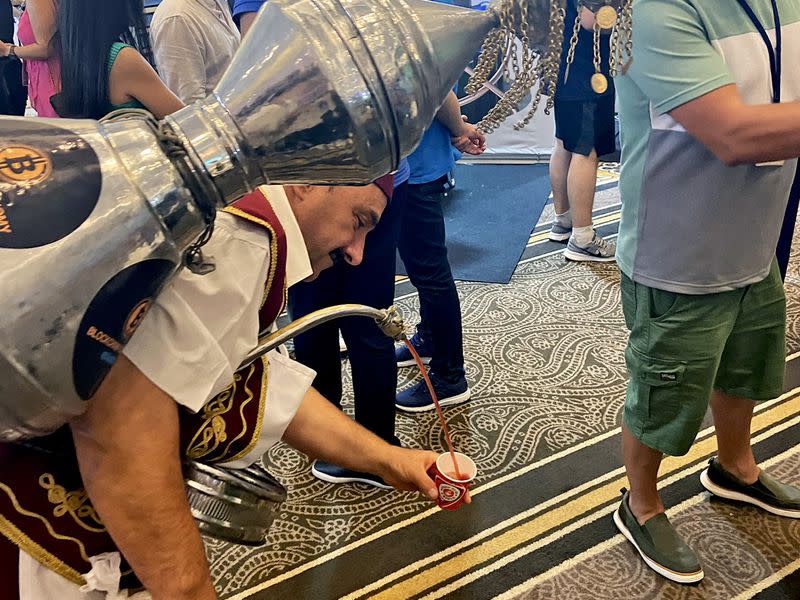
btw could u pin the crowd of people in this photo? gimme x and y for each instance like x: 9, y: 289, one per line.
x: 701, y: 291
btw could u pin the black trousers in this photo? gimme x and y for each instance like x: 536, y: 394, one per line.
x: 13, y: 95
x: 371, y: 352
x: 424, y: 253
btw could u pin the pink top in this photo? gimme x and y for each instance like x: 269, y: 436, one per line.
x: 43, y: 75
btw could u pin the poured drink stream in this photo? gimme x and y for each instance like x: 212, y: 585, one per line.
x: 411, y: 349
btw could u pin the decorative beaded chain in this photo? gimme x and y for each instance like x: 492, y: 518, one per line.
x: 536, y: 63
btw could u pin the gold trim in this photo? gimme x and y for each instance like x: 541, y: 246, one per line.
x: 75, y: 503
x: 273, y: 244
x: 213, y: 427
x: 23, y: 542
x: 245, y: 402
x: 260, y: 421
x: 47, y: 524
x: 273, y: 269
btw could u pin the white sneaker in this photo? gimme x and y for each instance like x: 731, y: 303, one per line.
x: 598, y: 250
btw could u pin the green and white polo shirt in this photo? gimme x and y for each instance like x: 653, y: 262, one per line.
x: 690, y: 224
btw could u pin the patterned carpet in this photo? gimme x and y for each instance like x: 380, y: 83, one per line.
x: 545, y: 363
x: 729, y: 540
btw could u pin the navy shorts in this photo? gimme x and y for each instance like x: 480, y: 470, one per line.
x: 583, y: 125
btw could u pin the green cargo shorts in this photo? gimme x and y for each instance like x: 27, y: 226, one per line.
x: 682, y: 346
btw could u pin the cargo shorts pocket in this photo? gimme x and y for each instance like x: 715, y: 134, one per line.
x: 666, y: 402
x: 656, y: 387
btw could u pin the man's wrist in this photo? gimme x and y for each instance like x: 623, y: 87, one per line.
x: 462, y: 130
x: 380, y: 462
x: 12, y: 50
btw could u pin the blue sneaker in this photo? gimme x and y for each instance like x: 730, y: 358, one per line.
x: 334, y: 474
x: 418, y: 399
x: 403, y: 355
x: 559, y: 233
x: 598, y: 250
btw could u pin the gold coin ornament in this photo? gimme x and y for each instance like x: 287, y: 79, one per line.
x: 599, y: 83
x: 606, y: 17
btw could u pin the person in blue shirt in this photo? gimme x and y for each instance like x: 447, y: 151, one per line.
x: 438, y: 338
x: 584, y: 130
x: 244, y: 13
x: 370, y: 351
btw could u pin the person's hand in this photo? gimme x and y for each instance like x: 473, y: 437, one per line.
x: 470, y: 139
x: 5, y: 49
x: 406, y: 469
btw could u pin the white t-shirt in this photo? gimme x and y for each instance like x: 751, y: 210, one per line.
x: 193, y: 42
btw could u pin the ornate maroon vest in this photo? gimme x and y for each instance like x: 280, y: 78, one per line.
x: 44, y: 508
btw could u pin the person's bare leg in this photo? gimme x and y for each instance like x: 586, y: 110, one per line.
x: 733, y: 416
x: 641, y: 467
x: 559, y: 169
x: 581, y: 184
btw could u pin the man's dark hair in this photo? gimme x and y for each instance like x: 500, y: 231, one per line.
x: 86, y: 31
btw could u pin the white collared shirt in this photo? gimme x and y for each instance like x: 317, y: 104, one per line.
x: 201, y: 327
x: 298, y: 264
x: 193, y: 42
x: 194, y: 337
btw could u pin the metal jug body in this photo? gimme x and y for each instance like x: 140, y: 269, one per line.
x: 95, y: 221
x: 97, y: 217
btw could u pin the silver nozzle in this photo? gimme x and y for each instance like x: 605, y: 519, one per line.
x: 389, y: 320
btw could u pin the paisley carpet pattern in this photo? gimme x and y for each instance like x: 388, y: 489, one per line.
x: 544, y: 359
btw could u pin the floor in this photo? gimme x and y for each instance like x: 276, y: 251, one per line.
x: 545, y: 364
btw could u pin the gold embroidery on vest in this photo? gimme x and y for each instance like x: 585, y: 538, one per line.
x: 273, y: 269
x: 75, y: 503
x: 251, y: 369
x: 52, y: 562
x: 22, y: 541
x: 212, y: 432
x: 261, y: 408
x: 48, y: 526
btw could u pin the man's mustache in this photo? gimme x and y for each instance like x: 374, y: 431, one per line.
x: 337, y: 256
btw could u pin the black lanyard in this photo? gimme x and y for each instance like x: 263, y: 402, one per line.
x: 774, y: 53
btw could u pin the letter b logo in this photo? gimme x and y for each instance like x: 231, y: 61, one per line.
x: 24, y: 165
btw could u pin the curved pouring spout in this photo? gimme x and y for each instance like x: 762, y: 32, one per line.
x: 340, y: 91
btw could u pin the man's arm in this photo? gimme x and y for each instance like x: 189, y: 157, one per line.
x: 323, y: 431
x: 127, y: 445
x: 682, y: 74
x: 43, y: 21
x: 246, y: 22
x: 739, y: 133
x: 465, y: 137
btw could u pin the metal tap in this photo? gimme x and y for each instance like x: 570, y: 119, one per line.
x: 389, y: 320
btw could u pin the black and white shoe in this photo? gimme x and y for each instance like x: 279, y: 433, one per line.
x: 766, y: 493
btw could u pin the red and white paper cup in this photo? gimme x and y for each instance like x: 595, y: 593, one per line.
x: 451, y: 488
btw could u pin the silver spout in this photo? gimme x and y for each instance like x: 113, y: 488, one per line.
x: 392, y: 324
x: 389, y: 320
